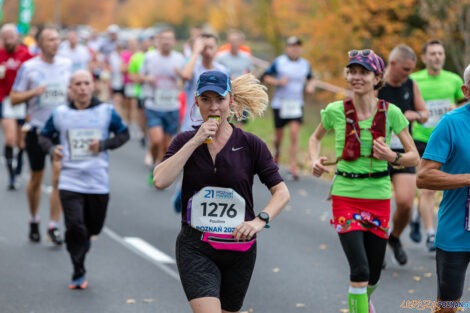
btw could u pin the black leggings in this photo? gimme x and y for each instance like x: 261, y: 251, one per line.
x: 365, y: 253
x: 451, y: 269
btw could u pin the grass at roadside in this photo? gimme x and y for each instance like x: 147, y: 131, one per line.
x: 264, y: 128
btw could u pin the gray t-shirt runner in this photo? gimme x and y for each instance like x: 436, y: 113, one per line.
x: 162, y: 95
x: 238, y: 65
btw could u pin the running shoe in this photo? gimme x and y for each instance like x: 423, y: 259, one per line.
x: 177, y: 205
x: 88, y: 245
x: 415, y: 232
x: 11, y: 183
x: 150, y: 179
x: 292, y: 176
x: 430, y: 243
x: 53, y: 235
x: 399, y: 253
x: 79, y: 283
x: 371, y: 307
x: 143, y: 141
x: 34, y: 235
x: 276, y: 157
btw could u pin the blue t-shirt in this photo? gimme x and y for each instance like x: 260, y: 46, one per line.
x: 449, y: 145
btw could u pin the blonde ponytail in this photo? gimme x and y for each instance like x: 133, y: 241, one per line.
x: 248, y: 95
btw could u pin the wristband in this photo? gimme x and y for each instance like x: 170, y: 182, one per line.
x: 420, y: 116
x: 395, y: 162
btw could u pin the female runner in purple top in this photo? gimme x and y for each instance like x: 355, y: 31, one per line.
x: 216, y: 248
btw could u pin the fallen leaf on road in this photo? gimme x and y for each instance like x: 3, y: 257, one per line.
x: 315, y: 265
x: 130, y: 301
x: 288, y: 208
x: 323, y: 218
x: 418, y: 268
x: 417, y: 278
x: 302, y: 192
x: 323, y: 247
x: 411, y: 291
x: 250, y: 310
x: 344, y: 310
x: 300, y: 305
x: 309, y: 249
x: 276, y: 269
x: 427, y: 274
x: 395, y: 275
x: 308, y: 211
x: 149, y: 300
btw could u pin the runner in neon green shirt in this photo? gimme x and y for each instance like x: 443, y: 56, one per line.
x: 135, y: 63
x: 361, y: 190
x: 441, y: 91
x: 368, y: 188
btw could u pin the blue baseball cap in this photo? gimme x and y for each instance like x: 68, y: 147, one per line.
x: 214, y: 81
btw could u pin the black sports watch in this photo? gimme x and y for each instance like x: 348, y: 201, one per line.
x: 395, y: 162
x: 264, y: 217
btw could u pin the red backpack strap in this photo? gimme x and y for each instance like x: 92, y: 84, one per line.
x: 352, y: 146
x: 379, y: 123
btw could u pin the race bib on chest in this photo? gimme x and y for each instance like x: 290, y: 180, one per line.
x: 17, y: 111
x: 436, y: 108
x: 55, y: 95
x: 129, y: 90
x: 395, y: 142
x: 290, y: 109
x: 79, y: 140
x: 217, y: 210
x: 165, y: 99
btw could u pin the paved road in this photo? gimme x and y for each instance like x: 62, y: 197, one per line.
x: 300, y: 265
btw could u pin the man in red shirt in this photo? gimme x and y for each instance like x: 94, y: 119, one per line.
x: 12, y: 55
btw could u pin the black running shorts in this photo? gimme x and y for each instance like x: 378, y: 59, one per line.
x: 420, y: 146
x: 451, y: 269
x: 281, y: 122
x: 207, y: 272
x: 36, y: 156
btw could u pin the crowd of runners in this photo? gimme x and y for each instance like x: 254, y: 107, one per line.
x: 68, y: 97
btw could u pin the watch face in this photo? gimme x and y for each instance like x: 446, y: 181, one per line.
x: 264, y: 216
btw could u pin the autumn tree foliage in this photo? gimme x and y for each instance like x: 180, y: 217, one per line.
x: 449, y: 20
x: 329, y: 28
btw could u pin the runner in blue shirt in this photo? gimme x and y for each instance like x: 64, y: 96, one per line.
x: 446, y: 166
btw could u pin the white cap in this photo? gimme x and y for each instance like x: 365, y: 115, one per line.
x: 113, y: 29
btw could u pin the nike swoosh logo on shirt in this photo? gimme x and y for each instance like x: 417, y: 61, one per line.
x: 236, y: 149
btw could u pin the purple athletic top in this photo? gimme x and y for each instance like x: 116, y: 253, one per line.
x: 243, y: 156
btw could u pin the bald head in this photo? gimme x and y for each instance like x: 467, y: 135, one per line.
x: 401, y: 63
x: 10, y: 37
x: 81, y: 89
x: 81, y: 74
x: 401, y: 53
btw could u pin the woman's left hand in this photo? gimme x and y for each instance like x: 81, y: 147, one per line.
x: 246, y: 230
x: 382, y: 151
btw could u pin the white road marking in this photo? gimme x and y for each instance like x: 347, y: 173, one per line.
x: 164, y: 267
x: 144, y: 247
x: 138, y: 246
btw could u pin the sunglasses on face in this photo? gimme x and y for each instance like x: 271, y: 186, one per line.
x: 354, y: 53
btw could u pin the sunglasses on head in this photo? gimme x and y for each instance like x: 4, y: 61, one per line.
x: 354, y: 53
